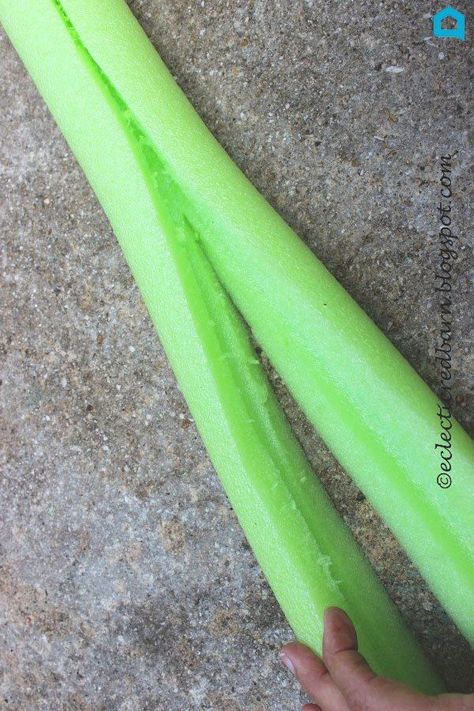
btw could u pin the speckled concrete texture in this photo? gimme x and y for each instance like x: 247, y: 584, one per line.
x: 126, y: 583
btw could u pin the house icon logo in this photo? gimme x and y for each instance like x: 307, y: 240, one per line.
x: 458, y: 31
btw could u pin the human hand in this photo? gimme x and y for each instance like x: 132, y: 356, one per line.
x: 343, y: 681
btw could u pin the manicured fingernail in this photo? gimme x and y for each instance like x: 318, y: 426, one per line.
x: 287, y: 662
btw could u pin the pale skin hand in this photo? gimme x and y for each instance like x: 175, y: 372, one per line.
x: 343, y: 681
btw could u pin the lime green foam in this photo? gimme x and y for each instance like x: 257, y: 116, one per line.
x: 199, y: 239
x: 373, y: 410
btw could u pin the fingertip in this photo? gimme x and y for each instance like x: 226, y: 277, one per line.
x: 313, y: 675
x: 289, y: 646
x: 299, y: 654
x: 306, y: 666
x: 339, y: 632
x: 337, y: 616
x: 298, y: 658
x: 286, y: 658
x: 333, y: 612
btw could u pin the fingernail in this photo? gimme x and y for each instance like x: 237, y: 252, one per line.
x: 287, y: 662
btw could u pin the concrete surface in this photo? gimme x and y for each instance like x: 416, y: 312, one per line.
x: 125, y: 581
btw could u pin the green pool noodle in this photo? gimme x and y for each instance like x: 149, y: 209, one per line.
x: 199, y: 238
